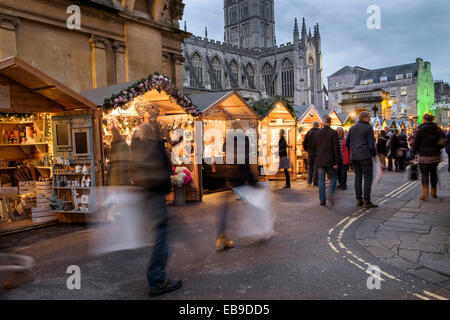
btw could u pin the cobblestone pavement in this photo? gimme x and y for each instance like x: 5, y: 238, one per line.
x: 413, y: 236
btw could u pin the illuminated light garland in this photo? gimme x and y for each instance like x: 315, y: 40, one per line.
x: 156, y: 82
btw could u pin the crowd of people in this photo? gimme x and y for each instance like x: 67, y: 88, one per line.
x: 333, y: 153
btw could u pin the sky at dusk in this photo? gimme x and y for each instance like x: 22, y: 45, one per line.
x: 409, y: 29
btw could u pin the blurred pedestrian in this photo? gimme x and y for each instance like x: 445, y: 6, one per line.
x: 236, y: 175
x: 382, y: 147
x: 326, y: 160
x: 118, y: 156
x: 150, y: 172
x: 308, y: 145
x: 344, y: 160
x: 429, y: 142
x: 284, y: 159
x: 361, y: 142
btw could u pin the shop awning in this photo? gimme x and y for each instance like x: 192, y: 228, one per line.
x: 214, y: 104
x: 38, y: 82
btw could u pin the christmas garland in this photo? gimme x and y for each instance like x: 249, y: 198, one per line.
x: 156, y: 81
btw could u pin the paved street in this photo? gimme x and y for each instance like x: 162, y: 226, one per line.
x: 316, y: 253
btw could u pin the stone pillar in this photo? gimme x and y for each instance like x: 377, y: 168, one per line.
x: 120, y: 51
x: 8, y: 45
x: 99, y: 78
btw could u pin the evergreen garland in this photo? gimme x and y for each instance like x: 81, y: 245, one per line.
x: 264, y: 106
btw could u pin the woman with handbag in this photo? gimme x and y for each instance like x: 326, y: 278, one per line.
x: 429, y: 142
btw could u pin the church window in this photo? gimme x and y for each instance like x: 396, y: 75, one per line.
x: 287, y: 78
x: 267, y: 73
x: 217, y: 70
x: 251, y: 76
x: 198, y: 71
x: 235, y: 70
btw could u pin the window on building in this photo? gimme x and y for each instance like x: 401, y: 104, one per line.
x: 337, y: 84
x: 409, y: 75
x: 399, y: 77
x: 267, y: 73
x: 251, y: 76
x: 244, y: 10
x: 393, y: 92
x: 404, y: 91
x: 217, y: 71
x: 233, y: 15
x: 336, y: 97
x: 235, y: 71
x: 287, y: 78
x: 235, y: 35
x: 404, y: 108
x: 383, y: 79
x: 198, y: 71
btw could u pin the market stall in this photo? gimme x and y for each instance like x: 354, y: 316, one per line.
x: 155, y: 100
x: 305, y: 119
x: 222, y: 111
x: 47, y: 133
x: 278, y: 117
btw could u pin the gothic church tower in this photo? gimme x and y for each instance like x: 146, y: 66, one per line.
x: 250, y: 23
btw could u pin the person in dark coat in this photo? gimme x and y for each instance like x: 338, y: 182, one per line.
x: 150, y: 174
x: 326, y: 160
x: 382, y: 147
x: 308, y: 145
x: 402, y: 148
x: 429, y: 142
x: 361, y: 142
x: 447, y: 148
x: 284, y: 159
x: 344, y: 160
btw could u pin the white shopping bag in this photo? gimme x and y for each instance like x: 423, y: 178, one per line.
x: 377, y: 171
x: 258, y: 216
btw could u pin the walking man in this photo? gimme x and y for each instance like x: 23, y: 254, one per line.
x: 361, y: 142
x: 150, y: 174
x: 308, y: 145
x: 326, y: 160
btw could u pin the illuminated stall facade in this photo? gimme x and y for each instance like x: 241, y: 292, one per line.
x: 224, y: 113
x: 278, y: 117
x: 50, y: 151
x: 157, y: 101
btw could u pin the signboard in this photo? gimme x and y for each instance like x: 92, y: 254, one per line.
x: 5, y: 99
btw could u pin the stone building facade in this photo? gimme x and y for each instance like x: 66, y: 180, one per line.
x: 410, y: 86
x: 249, y: 60
x: 119, y: 40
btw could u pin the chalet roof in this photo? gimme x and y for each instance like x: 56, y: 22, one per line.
x: 38, y: 82
x: 344, y: 116
x: 99, y: 95
x: 204, y: 100
x: 300, y: 111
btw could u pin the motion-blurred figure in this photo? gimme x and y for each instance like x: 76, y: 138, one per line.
x: 284, y: 159
x: 382, y: 147
x: 18, y: 268
x: 447, y: 147
x: 118, y: 156
x: 236, y: 175
x: 150, y: 172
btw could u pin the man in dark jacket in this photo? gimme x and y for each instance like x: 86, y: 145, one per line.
x: 150, y: 172
x: 284, y: 159
x: 326, y: 160
x: 308, y: 145
x: 361, y: 141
